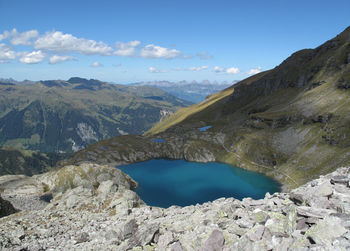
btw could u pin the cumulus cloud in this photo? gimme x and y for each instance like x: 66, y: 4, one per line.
x: 231, y: 70
x: 24, y: 38
x: 17, y: 38
x: 57, y: 41
x: 6, y: 53
x: 154, y: 51
x: 55, y: 59
x: 53, y: 44
x: 32, y: 57
x: 126, y: 49
x: 218, y: 69
x: 204, y: 55
x: 156, y: 70
x: 254, y: 71
x: 96, y: 64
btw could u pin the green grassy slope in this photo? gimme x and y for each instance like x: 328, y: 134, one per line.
x: 294, y: 119
x: 27, y: 162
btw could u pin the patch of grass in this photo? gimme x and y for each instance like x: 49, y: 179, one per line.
x: 182, y: 114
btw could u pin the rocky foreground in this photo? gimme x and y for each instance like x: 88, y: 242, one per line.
x: 92, y: 207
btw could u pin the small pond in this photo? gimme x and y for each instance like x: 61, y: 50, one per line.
x: 164, y: 183
x: 204, y: 129
x: 158, y: 140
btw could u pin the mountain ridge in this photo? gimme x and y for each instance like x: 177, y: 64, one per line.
x: 58, y: 115
x: 291, y: 123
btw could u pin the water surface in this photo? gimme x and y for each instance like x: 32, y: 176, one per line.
x: 204, y: 129
x: 165, y: 183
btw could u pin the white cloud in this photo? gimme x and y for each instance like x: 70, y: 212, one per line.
x: 32, y: 57
x: 96, y: 64
x: 6, y: 53
x: 218, y: 69
x: 6, y: 34
x: 126, y: 49
x: 231, y: 70
x: 197, y: 68
x: 154, y: 51
x: 156, y: 70
x: 55, y: 59
x: 204, y: 55
x: 24, y: 38
x: 57, y: 41
x: 254, y: 71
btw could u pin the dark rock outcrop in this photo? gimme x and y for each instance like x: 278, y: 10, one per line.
x: 6, y: 208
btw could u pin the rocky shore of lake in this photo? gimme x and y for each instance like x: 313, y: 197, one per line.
x: 93, y: 207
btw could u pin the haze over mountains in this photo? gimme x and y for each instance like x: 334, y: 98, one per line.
x: 191, y: 91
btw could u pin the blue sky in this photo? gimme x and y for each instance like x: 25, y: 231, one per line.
x: 130, y: 41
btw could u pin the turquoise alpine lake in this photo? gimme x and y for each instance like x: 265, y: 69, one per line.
x: 164, y: 183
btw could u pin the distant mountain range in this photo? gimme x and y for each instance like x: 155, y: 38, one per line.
x: 65, y: 116
x: 191, y: 91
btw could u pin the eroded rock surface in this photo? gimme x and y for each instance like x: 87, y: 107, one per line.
x: 97, y: 210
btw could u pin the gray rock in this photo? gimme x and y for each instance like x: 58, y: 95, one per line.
x: 323, y: 190
x: 6, y: 208
x: 164, y: 240
x: 326, y: 231
x: 342, y: 179
x: 177, y: 247
x: 83, y: 237
x: 129, y: 229
x: 143, y: 236
x: 107, y: 215
x: 301, y: 224
x: 284, y: 244
x: 215, y: 242
x: 256, y: 233
x: 314, y: 212
x: 106, y: 188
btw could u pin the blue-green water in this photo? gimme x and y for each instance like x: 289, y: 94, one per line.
x: 164, y: 183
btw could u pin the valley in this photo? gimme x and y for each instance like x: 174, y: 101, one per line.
x: 65, y: 116
x: 290, y: 123
x: 175, y: 125
x: 194, y: 92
